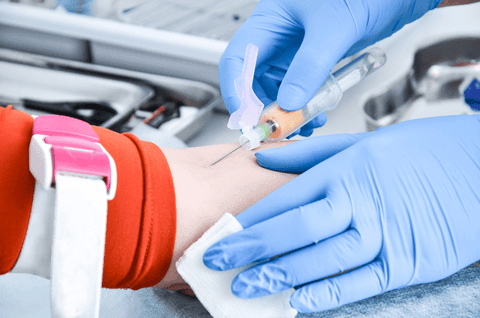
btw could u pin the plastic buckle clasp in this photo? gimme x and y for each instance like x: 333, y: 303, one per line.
x: 65, y: 144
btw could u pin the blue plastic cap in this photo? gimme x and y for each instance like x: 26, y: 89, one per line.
x: 472, y: 95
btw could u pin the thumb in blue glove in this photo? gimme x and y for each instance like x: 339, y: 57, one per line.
x: 400, y: 206
x: 300, y: 41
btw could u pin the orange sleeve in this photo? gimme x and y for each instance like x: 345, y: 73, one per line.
x: 141, y: 222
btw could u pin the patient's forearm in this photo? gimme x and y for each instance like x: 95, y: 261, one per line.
x: 204, y: 192
x: 141, y: 221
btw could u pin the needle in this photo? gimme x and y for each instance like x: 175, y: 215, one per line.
x: 227, y: 154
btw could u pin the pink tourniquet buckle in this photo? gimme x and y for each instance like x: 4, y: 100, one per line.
x: 64, y: 144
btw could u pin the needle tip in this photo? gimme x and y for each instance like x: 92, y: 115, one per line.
x: 227, y: 155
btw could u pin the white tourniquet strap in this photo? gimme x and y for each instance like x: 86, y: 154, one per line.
x: 78, y: 246
x: 36, y: 255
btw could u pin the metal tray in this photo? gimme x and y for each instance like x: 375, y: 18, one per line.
x: 437, y: 78
x: 26, y: 82
x: 110, y: 43
x: 116, y: 82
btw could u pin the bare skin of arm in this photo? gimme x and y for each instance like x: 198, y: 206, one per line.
x: 204, y: 193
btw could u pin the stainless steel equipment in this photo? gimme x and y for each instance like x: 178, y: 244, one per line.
x: 39, y: 85
x: 98, y: 100
x: 439, y: 73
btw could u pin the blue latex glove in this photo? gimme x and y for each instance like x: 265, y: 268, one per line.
x: 400, y: 206
x: 308, y: 38
x: 77, y: 6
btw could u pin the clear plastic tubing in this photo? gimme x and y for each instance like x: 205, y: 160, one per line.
x: 275, y: 124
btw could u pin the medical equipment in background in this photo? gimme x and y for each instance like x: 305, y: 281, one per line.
x: 275, y: 124
x: 215, y: 19
x: 108, y: 97
x: 440, y: 81
x: 472, y: 95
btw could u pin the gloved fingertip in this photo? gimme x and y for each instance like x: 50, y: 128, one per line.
x: 289, y: 98
x: 270, y: 156
x: 238, y: 288
x: 277, y: 161
x: 320, y: 120
x: 244, y: 286
x: 297, y: 302
x: 291, y: 107
x: 212, y: 259
x: 296, y: 132
x: 263, y: 157
x: 232, y: 103
x: 317, y: 122
x: 306, y: 132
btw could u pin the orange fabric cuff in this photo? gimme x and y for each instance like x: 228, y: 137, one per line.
x: 141, y: 221
x: 16, y: 184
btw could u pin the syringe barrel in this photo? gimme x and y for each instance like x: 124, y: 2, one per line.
x: 284, y: 123
x: 359, y: 68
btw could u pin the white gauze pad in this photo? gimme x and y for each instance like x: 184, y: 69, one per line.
x: 213, y: 288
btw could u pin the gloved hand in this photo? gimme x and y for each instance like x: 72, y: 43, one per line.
x: 400, y: 206
x: 76, y: 6
x: 300, y: 41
